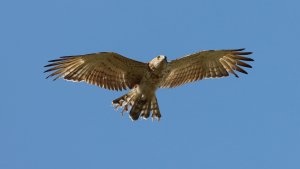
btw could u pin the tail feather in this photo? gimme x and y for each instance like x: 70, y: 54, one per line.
x: 155, y: 109
x: 136, y: 109
x: 140, y: 107
x: 146, y: 110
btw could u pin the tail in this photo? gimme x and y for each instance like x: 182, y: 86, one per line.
x: 140, y: 106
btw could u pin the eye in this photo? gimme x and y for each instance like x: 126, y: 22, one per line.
x: 158, y: 57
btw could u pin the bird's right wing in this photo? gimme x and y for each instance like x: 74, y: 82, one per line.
x: 105, y: 69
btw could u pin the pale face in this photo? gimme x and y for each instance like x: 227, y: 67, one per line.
x: 158, y: 62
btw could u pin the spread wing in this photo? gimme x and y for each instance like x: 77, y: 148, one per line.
x: 106, y: 69
x: 205, y: 64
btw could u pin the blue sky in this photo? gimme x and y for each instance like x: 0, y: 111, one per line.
x: 229, y: 123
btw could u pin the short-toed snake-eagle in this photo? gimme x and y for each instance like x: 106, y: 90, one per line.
x: 113, y: 71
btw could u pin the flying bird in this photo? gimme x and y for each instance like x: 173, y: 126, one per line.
x: 113, y: 71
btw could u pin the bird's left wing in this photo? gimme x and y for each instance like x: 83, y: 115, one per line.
x: 104, y: 69
x: 205, y: 64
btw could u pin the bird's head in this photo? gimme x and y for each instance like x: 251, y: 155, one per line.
x: 158, y: 62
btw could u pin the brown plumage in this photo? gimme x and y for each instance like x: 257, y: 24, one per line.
x: 105, y: 69
x: 205, y: 64
x: 115, y: 72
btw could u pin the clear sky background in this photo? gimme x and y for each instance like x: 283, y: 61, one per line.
x: 248, y: 123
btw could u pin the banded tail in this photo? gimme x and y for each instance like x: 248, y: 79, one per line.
x: 140, y: 106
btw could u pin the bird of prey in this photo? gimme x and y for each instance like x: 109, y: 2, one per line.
x: 113, y: 71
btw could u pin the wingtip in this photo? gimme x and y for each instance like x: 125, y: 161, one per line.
x: 245, y: 53
x: 47, y: 71
x: 240, y: 49
x: 51, y: 76
x: 56, y: 60
x: 66, y: 57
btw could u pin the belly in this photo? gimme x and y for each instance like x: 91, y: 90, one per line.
x: 149, y: 85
